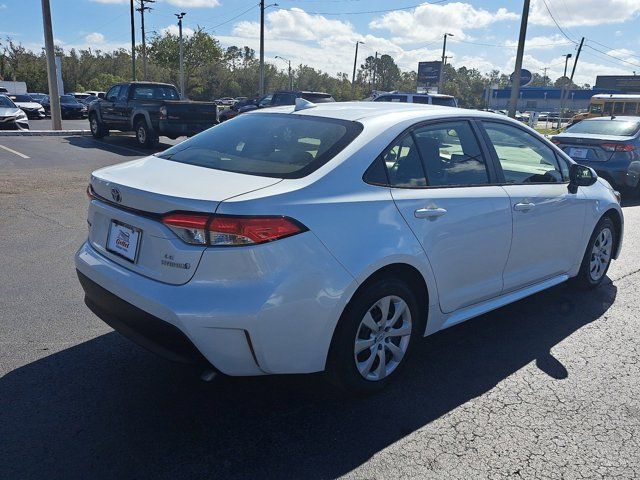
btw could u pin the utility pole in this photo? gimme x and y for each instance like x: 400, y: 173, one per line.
x: 52, y: 77
x: 142, y: 9
x: 515, y: 84
x: 375, y: 71
x: 353, y: 78
x: 444, y: 59
x: 564, y: 75
x: 261, y: 90
x: 573, y: 71
x: 544, y: 78
x: 133, y: 44
x: 290, y: 77
x: 180, y: 17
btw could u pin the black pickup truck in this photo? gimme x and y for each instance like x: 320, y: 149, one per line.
x: 150, y: 110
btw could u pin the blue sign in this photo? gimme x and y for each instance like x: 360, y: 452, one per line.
x: 525, y: 77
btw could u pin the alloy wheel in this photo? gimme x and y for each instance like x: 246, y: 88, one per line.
x: 601, y: 254
x: 382, y: 338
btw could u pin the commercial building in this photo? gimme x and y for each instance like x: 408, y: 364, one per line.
x: 543, y: 99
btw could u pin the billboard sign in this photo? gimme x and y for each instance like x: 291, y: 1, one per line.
x: 525, y: 77
x: 619, y: 83
x: 429, y: 74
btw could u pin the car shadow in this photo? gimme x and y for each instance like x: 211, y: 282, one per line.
x: 107, y: 409
x: 118, y: 144
x: 630, y: 200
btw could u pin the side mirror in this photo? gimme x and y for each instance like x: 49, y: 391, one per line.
x: 581, y: 176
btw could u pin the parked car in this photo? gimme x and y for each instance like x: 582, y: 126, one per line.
x: 225, y: 101
x: 37, y: 97
x: 32, y: 108
x: 96, y: 93
x: 330, y: 237
x: 610, y: 145
x: 87, y: 100
x: 11, y: 117
x: 69, y: 107
x: 424, y: 98
x: 275, y: 99
x: 4, y: 90
x: 150, y: 110
x: 79, y: 95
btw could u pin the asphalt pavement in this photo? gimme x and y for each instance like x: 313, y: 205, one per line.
x: 69, y: 124
x: 545, y: 388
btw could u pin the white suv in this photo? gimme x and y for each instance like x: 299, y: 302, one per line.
x: 331, y: 237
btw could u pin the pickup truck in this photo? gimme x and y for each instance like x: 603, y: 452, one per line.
x: 150, y: 110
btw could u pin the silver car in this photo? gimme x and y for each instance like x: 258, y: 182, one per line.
x: 12, y: 117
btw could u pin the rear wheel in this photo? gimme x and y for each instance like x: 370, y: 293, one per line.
x: 98, y: 129
x: 374, y: 336
x: 145, y: 136
x: 597, y: 258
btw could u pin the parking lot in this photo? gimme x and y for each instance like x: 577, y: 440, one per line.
x: 546, y: 387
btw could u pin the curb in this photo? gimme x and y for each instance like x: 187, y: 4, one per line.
x: 43, y: 133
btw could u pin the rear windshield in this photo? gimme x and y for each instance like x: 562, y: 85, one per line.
x: 269, y: 145
x: 21, y: 98
x: 155, y: 92
x: 606, y: 127
x: 446, y: 102
x: 68, y: 99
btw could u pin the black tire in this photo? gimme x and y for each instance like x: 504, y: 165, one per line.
x: 586, y: 280
x: 146, y: 137
x: 98, y: 129
x: 342, y: 370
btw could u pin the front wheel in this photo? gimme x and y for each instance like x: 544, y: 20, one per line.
x: 597, y: 258
x: 98, y: 130
x: 374, y: 336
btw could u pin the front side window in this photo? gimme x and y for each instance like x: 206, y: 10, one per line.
x: 270, y: 145
x: 451, y: 154
x: 112, y: 94
x: 404, y: 166
x: 124, y: 93
x: 523, y: 158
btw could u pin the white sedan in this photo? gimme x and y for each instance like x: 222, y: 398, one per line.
x: 332, y: 237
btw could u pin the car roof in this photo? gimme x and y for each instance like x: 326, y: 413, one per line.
x: 356, y: 111
x: 625, y: 118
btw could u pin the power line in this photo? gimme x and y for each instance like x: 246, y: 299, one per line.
x: 557, y: 24
x: 233, y: 18
x: 610, y: 48
x: 365, y: 12
x: 613, y: 56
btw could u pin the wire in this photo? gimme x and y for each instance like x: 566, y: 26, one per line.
x: 612, y: 56
x: 365, y: 12
x: 557, y: 24
x: 504, y: 45
x: 610, y: 48
x: 235, y: 17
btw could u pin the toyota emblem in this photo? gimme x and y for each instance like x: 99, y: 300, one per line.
x: 115, y: 194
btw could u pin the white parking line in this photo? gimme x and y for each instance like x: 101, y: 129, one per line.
x: 14, y: 152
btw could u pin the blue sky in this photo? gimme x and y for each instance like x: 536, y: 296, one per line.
x: 322, y: 33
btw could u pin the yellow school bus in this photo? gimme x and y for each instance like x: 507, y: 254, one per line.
x: 605, y: 104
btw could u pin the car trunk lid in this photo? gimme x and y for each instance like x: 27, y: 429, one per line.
x: 588, y: 147
x: 128, y: 203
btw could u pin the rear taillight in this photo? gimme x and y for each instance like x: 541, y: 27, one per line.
x: 555, y: 141
x: 618, y: 147
x: 228, y: 230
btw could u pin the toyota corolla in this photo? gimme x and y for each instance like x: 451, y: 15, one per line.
x: 332, y: 237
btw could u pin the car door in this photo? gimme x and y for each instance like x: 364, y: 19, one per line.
x: 107, y: 106
x: 442, y: 184
x: 121, y: 106
x: 548, y: 220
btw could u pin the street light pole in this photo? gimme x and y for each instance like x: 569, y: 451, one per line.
x: 355, y: 62
x: 261, y: 89
x: 290, y: 77
x: 444, y: 53
x: 52, y: 78
x: 180, y: 17
x: 133, y: 44
x: 142, y: 9
x: 515, y: 84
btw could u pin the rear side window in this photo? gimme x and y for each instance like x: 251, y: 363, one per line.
x: 523, y: 158
x: 112, y: 94
x: 445, y: 102
x: 404, y: 167
x: 270, y: 145
x: 451, y: 154
x: 391, y: 98
x: 420, y: 99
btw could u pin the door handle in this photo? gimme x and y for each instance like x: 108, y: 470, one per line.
x: 431, y: 212
x: 524, y: 206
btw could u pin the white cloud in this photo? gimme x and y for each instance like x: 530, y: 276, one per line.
x: 173, y: 30
x: 3, y: 6
x: 94, y: 37
x: 194, y: 3
x: 428, y: 22
x: 574, y: 13
x: 541, y: 43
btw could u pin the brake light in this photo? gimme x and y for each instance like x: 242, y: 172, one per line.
x: 618, y: 147
x: 228, y: 230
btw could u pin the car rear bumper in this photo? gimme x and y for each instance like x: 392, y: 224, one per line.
x: 257, y: 310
